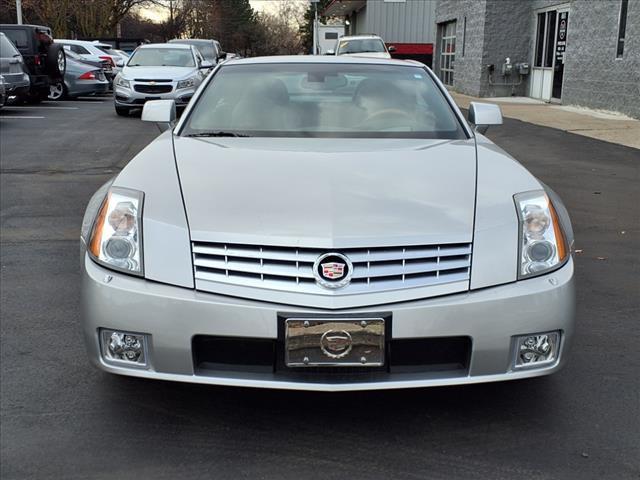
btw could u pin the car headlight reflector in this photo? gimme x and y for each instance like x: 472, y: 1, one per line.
x: 543, y: 245
x: 92, y: 210
x: 189, y: 82
x: 119, y: 81
x: 116, y: 239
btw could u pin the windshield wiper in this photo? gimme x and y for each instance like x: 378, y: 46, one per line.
x: 217, y: 133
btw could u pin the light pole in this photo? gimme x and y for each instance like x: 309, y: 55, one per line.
x: 19, y: 11
x: 315, y: 27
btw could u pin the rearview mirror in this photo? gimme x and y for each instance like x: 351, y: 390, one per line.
x: 331, y: 51
x: 206, y: 64
x: 483, y: 115
x: 159, y: 111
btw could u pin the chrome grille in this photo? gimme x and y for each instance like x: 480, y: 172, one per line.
x: 291, y: 269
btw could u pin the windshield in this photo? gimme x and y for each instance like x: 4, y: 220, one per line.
x: 162, y: 57
x: 323, y: 100
x: 206, y: 49
x: 71, y: 54
x: 361, y: 45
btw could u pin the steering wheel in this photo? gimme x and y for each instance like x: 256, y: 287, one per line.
x: 388, y: 112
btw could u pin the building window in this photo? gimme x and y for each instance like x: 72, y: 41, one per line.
x: 447, y: 52
x: 622, y: 27
x: 464, y: 35
x: 544, y: 39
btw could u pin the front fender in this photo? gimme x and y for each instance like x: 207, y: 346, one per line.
x: 496, y: 229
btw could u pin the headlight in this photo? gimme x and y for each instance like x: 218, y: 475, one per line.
x: 189, y: 82
x: 92, y: 210
x: 121, y: 82
x: 543, y: 244
x: 116, y: 238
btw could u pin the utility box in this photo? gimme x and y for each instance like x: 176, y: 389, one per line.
x: 328, y: 36
x: 523, y: 68
x: 507, y: 68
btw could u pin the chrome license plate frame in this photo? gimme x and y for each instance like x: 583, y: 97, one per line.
x: 334, y: 342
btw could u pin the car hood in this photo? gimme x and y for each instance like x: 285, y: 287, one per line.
x: 152, y: 73
x: 327, y: 192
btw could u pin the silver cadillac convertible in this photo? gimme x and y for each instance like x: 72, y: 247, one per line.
x: 326, y: 223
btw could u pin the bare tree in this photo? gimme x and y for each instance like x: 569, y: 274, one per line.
x: 70, y: 17
x: 281, y: 27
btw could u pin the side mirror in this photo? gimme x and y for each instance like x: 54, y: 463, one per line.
x: 119, y: 63
x: 391, y: 49
x: 206, y: 64
x: 222, y: 56
x: 159, y: 111
x: 483, y: 115
x: 331, y: 51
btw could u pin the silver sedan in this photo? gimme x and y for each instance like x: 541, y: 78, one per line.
x: 326, y: 223
x: 159, y: 72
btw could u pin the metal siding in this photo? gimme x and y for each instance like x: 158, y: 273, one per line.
x: 401, y: 22
x: 361, y: 20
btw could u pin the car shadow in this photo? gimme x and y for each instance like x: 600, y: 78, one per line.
x: 285, y: 411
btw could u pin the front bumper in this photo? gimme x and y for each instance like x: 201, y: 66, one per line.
x: 173, y: 316
x: 16, y: 84
x: 125, y: 97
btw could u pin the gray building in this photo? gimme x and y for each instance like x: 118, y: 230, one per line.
x: 576, y: 52
x: 408, y: 25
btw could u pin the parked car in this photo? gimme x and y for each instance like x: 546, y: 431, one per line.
x: 209, y: 49
x: 81, y: 78
x: 44, y: 59
x: 329, y: 224
x: 3, y: 92
x: 123, y: 55
x: 13, y: 70
x: 102, y: 64
x: 159, y: 71
x: 91, y: 51
x: 118, y: 59
x: 362, y: 46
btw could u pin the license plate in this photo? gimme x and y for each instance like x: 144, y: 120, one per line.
x: 314, y: 342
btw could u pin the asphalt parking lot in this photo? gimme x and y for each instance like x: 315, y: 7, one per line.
x: 61, y: 418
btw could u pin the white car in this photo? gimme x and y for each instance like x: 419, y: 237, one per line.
x: 362, y: 46
x: 92, y: 51
x: 162, y: 71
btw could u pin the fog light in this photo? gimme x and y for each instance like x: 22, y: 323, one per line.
x: 124, y: 347
x: 536, y: 350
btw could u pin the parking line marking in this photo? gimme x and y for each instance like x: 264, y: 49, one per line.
x: 81, y: 101
x: 47, y: 107
x: 17, y: 116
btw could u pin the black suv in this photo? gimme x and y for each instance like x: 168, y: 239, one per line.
x: 44, y: 60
